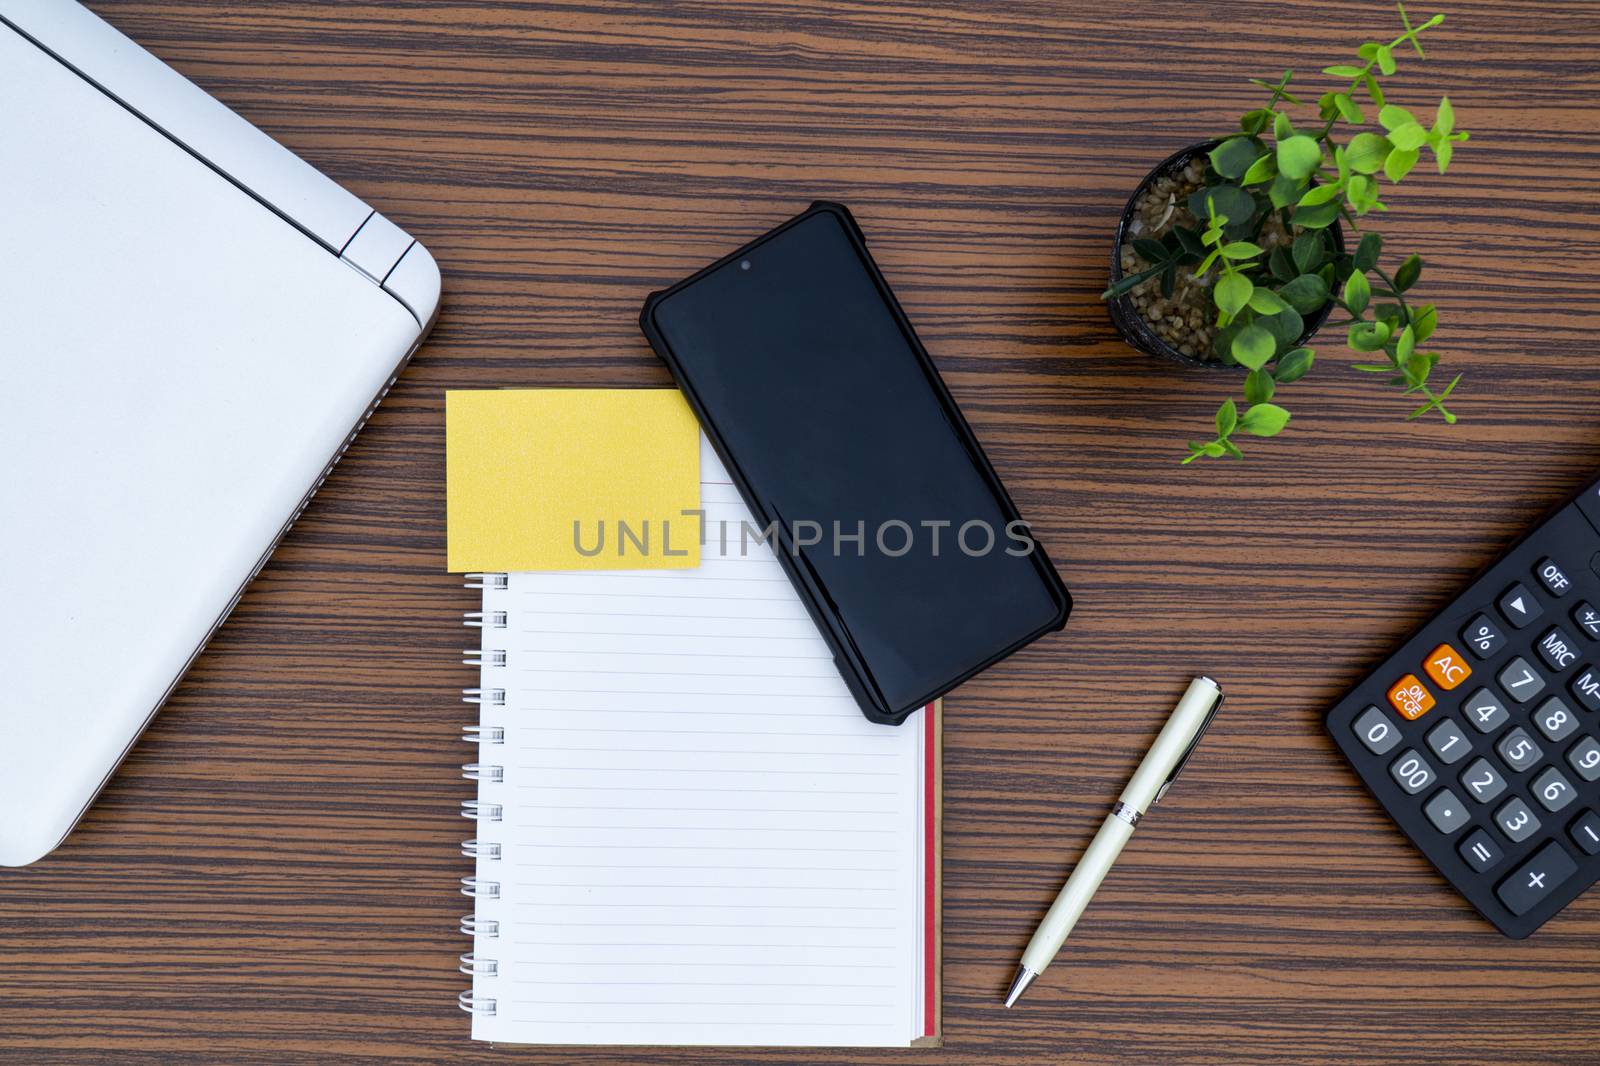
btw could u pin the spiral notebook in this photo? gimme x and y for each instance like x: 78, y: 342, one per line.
x: 686, y: 832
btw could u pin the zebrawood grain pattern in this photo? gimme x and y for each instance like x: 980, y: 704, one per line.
x: 272, y: 876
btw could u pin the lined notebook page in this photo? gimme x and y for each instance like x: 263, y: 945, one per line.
x: 703, y: 840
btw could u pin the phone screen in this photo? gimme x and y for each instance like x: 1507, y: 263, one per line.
x: 794, y: 353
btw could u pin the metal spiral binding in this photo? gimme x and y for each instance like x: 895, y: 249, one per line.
x: 483, y: 735
x: 477, y: 967
x: 481, y: 811
x: 475, y: 1004
x: 480, y: 849
x: 472, y: 925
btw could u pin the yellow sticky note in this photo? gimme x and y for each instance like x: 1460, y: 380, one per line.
x: 571, y: 479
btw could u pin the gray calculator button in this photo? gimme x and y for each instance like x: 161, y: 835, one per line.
x: 1516, y: 820
x: 1584, y: 758
x: 1588, y: 619
x: 1551, y: 790
x: 1585, y: 832
x: 1480, y: 850
x: 1555, y: 719
x: 1482, y: 781
x: 1557, y: 649
x: 1483, y: 638
x: 1376, y: 731
x: 1520, y: 681
x: 1518, y: 606
x: 1586, y: 687
x: 1484, y: 711
x: 1448, y: 742
x: 1553, y: 578
x: 1526, y: 886
x: 1411, y: 771
x: 1518, y: 749
x: 1446, y: 812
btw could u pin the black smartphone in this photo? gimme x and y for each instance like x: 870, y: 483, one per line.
x: 849, y: 450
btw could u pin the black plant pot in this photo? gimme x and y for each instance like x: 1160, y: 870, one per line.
x: 1130, y: 327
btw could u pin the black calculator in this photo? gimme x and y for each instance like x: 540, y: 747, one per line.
x: 1480, y: 735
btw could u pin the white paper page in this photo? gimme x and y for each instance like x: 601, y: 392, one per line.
x: 704, y: 842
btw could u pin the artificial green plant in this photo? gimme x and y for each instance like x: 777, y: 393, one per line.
x: 1311, y: 175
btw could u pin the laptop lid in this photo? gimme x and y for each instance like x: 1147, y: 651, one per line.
x: 183, y: 358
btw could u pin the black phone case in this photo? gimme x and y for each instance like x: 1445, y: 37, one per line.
x: 819, y: 604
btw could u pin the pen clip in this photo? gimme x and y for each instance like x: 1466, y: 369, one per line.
x: 1184, y: 760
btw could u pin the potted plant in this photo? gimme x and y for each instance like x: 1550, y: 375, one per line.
x: 1232, y: 252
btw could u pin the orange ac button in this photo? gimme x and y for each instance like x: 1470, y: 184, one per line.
x: 1411, y: 697
x: 1447, y: 667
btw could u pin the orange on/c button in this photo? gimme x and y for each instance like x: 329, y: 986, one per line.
x: 1411, y: 697
x: 1447, y: 667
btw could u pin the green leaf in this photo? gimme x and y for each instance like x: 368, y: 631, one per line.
x: 1253, y: 122
x: 1151, y: 250
x: 1320, y: 194
x: 1266, y: 302
x: 1307, y: 252
x: 1233, y: 156
x: 1400, y: 162
x: 1368, y: 336
x: 1442, y: 153
x: 1286, y: 326
x: 1292, y: 366
x: 1444, y: 120
x: 1373, y: 92
x: 1241, y: 250
x: 1306, y: 294
x: 1281, y: 265
x: 1189, y: 241
x: 1229, y: 201
x: 1233, y: 292
x: 1408, y: 273
x: 1366, y: 152
x: 1262, y: 170
x: 1347, y: 107
x: 1285, y: 190
x: 1392, y: 117
x: 1363, y: 193
x: 1258, y: 386
x: 1298, y: 156
x: 1264, y: 420
x: 1424, y: 322
x: 1417, y: 369
x: 1343, y: 71
x: 1227, y: 418
x: 1253, y: 347
x: 1367, y: 251
x: 1385, y: 58
x: 1215, y: 450
x: 1406, y: 345
x: 1408, y: 136
x: 1318, y: 217
x: 1233, y: 449
x: 1281, y: 129
x: 1327, y: 110
x: 1357, y: 292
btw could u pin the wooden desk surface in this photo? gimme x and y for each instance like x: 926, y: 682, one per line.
x: 272, y: 875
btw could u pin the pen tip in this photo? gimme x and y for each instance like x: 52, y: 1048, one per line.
x: 1019, y: 984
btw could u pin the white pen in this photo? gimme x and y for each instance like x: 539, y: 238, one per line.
x: 1144, y: 790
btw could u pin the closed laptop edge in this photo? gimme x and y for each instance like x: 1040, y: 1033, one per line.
x: 200, y: 322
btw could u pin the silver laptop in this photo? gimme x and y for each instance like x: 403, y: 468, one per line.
x: 193, y: 324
